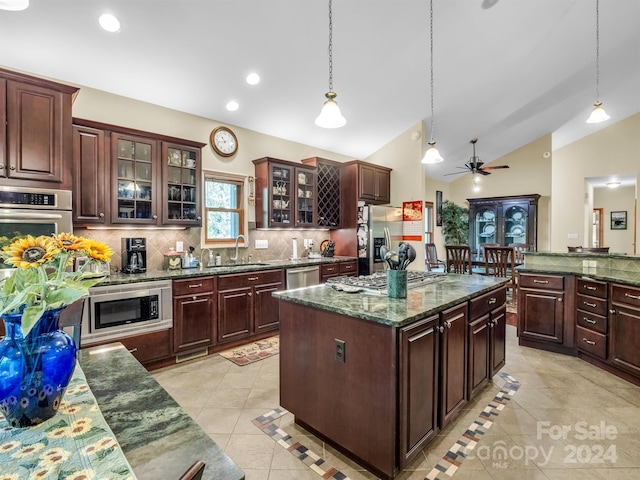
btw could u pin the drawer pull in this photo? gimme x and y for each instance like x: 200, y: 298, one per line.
x: 252, y: 279
x: 492, y: 300
x: 133, y: 350
x: 588, y: 342
x: 590, y: 288
x: 592, y: 305
x: 541, y: 281
x: 593, y: 322
x: 635, y: 297
x: 612, y: 311
x: 198, y: 285
x: 447, y: 324
x: 249, y: 294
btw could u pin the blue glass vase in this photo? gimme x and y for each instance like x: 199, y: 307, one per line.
x: 34, y: 370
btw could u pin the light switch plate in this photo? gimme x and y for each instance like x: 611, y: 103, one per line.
x: 179, y: 247
x: 261, y: 244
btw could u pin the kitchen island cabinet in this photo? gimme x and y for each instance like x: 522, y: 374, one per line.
x: 347, y: 359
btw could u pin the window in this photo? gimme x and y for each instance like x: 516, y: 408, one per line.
x: 223, y: 207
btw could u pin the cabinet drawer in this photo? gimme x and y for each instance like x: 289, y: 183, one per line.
x: 227, y: 282
x: 149, y: 346
x: 348, y: 268
x: 328, y: 270
x: 591, y: 304
x: 544, y: 282
x: 628, y: 295
x: 592, y: 288
x: 487, y: 302
x: 591, y: 342
x: 591, y: 321
x: 192, y: 286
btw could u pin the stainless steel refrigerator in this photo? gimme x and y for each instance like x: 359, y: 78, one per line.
x: 377, y: 225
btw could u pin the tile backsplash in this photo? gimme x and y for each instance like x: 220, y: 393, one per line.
x: 280, y: 243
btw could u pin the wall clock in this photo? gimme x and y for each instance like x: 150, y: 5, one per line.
x: 224, y: 141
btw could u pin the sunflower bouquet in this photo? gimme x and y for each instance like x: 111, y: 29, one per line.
x: 42, y: 279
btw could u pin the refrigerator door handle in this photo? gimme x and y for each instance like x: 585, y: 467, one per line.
x: 387, y: 237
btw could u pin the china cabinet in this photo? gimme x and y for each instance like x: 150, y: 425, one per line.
x: 502, y: 221
x: 286, y: 194
x: 35, y: 136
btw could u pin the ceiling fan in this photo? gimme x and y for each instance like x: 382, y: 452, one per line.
x: 474, y: 165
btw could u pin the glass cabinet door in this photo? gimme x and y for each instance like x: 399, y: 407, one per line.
x: 515, y: 225
x: 281, y: 204
x: 486, y: 231
x: 305, y: 197
x: 181, y: 195
x: 135, y: 175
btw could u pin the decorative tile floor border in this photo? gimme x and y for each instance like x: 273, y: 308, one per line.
x: 449, y: 463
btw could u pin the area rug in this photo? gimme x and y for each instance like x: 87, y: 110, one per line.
x: 253, y: 352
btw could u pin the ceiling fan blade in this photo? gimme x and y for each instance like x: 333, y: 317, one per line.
x: 482, y: 172
x: 454, y: 173
x: 496, y: 167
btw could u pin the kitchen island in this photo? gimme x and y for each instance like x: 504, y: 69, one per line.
x: 158, y: 438
x: 378, y: 377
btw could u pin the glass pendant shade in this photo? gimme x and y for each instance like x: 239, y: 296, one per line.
x: 598, y: 114
x: 432, y: 155
x: 14, y: 5
x: 330, y: 116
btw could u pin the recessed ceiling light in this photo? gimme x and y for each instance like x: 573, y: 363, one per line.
x: 253, y: 79
x: 109, y: 22
x: 613, y: 184
x: 14, y: 5
x: 232, y: 106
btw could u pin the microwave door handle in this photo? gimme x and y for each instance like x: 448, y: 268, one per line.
x: 28, y: 215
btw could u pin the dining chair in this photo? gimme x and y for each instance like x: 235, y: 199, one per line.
x: 518, y: 250
x: 71, y: 317
x: 482, y: 245
x: 459, y: 259
x: 431, y: 257
x: 500, y: 262
x: 194, y: 472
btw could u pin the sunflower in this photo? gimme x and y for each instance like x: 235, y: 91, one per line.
x: 69, y: 242
x: 29, y: 252
x: 98, y: 250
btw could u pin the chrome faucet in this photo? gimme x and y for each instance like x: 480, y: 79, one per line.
x: 234, y: 259
x: 210, y: 262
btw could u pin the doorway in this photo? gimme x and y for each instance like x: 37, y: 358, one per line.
x: 596, y: 225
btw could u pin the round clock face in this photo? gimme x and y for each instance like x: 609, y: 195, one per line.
x: 224, y: 141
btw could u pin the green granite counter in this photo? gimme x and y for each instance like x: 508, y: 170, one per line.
x: 152, y: 275
x: 618, y: 268
x: 420, y: 302
x: 158, y: 438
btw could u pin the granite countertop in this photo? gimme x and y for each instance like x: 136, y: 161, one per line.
x: 153, y: 275
x: 158, y: 438
x: 420, y: 302
x: 604, y: 274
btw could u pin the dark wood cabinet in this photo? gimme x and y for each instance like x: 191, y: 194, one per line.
x: 329, y: 198
x: 503, y: 220
x: 453, y: 368
x: 349, y: 269
x: 142, y: 179
x: 487, y: 337
x: 419, y: 387
x: 374, y: 183
x: 245, y: 305
x: 36, y: 137
x: 625, y: 329
x: 546, y: 311
x: 193, y: 314
x: 90, y: 179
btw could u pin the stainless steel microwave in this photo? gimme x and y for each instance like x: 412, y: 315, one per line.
x: 117, y: 311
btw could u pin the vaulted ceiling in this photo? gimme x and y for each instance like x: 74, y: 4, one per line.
x: 506, y: 71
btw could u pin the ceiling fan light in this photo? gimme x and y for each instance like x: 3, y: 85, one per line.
x: 14, y: 5
x: 598, y: 114
x: 330, y: 116
x: 432, y: 155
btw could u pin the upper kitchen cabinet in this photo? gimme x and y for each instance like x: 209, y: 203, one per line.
x: 329, y: 200
x: 286, y: 194
x: 503, y: 221
x: 35, y: 136
x: 373, y: 182
x: 154, y: 180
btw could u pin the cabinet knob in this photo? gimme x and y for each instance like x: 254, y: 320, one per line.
x: 560, y: 300
x: 447, y: 324
x: 612, y: 311
x: 155, y: 217
x: 440, y: 329
x: 1, y: 166
x: 194, y: 298
x: 12, y: 167
x: 249, y: 294
x: 101, y: 215
x: 198, y: 218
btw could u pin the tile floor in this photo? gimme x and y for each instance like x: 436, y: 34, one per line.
x: 568, y: 420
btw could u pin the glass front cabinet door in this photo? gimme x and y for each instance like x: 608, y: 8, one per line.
x: 306, y: 194
x: 486, y: 231
x: 181, y: 184
x: 282, y: 185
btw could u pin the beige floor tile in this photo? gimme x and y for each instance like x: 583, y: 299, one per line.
x: 228, y: 398
x: 564, y: 474
x: 218, y: 420
x: 619, y: 473
x: 255, y: 474
x: 251, y: 451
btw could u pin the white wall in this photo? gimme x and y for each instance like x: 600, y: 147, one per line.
x: 615, y: 200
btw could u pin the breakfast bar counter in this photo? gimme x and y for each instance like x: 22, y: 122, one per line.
x: 158, y: 438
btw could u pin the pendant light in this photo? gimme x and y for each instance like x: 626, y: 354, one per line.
x: 432, y: 155
x: 14, y: 5
x: 598, y: 114
x: 330, y: 116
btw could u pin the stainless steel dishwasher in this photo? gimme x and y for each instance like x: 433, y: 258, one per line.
x: 303, y: 276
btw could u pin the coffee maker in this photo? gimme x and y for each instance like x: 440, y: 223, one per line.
x: 134, y: 255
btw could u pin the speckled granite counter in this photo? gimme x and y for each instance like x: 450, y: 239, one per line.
x: 420, y: 302
x: 151, y: 275
x: 159, y: 439
x: 619, y: 268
